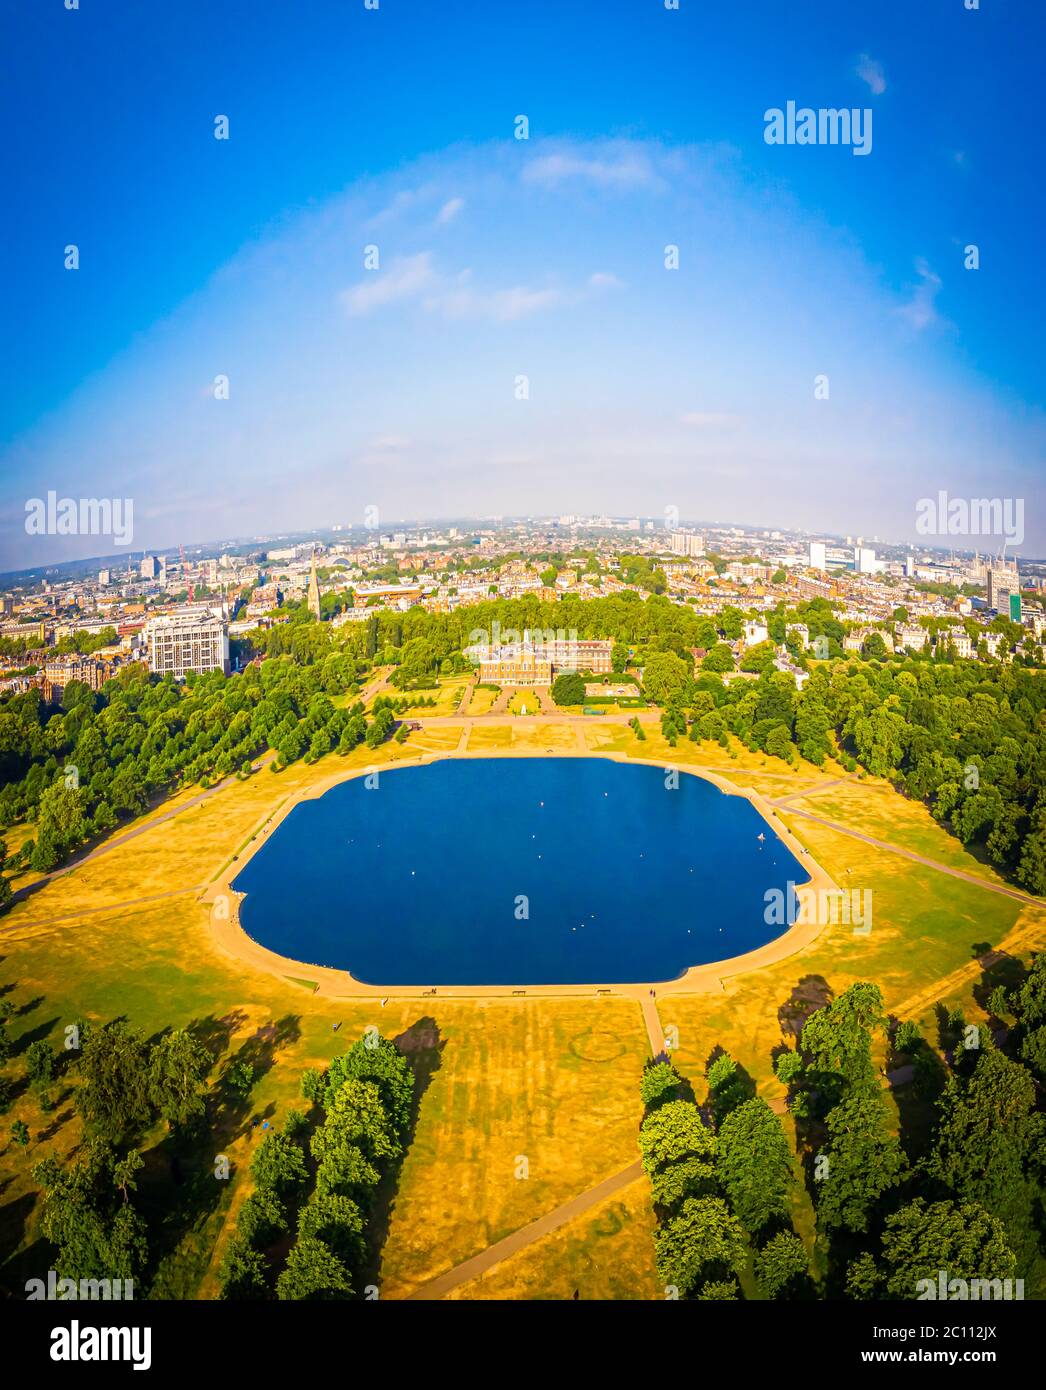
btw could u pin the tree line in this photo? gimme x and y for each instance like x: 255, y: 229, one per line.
x: 319, y: 1176
x: 889, y: 1213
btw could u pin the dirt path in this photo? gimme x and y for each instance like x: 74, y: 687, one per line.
x: 526, y: 1235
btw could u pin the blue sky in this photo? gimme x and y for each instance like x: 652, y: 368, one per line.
x: 353, y: 388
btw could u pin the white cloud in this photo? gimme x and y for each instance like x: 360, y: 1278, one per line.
x: 413, y: 278
x: 603, y: 280
x: 403, y: 201
x: 920, y: 311
x: 870, y: 70
x: 405, y: 278
x: 449, y: 211
x: 629, y: 168
x: 390, y: 441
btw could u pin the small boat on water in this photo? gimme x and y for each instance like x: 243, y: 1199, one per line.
x: 760, y: 836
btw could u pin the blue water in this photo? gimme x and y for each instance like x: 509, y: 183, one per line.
x: 415, y: 882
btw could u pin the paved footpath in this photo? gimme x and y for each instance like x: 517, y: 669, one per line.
x: 526, y: 1235
x: 654, y: 1031
x: 815, y: 790
x: 1002, y: 888
x: 110, y: 909
x: 108, y: 845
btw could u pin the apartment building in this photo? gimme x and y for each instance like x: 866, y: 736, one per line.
x: 191, y: 639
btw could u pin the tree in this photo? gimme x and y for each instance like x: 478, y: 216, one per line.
x: 86, y: 1214
x: 20, y: 1133
x: 103, y: 822
x: 719, y: 658
x: 338, y: 1222
x: 262, y: 1218
x: 678, y: 1152
x: 61, y: 817
x: 837, y: 1043
x: 346, y: 1170
x: 40, y: 1062
x: 673, y: 1132
x: 728, y: 1087
x: 6, y: 1009
x: 702, y: 1244
x: 568, y: 689
x: 380, y: 1061
x: 356, y: 1115
x: 1033, y: 1052
x: 419, y: 657
x: 989, y: 1134
x: 753, y: 1164
x: 1031, y: 873
x: 864, y: 1161
x: 658, y: 1084
x: 279, y: 1164
x: 963, y: 1239
x: 242, y: 1272
x: 760, y: 657
x: 380, y: 727
x: 5, y: 883
x: 113, y: 1096
x: 778, y: 743
x: 863, y: 1279
x: 178, y: 1067
x: 313, y: 1272
x: 664, y: 675
x: 44, y: 855
x: 782, y: 1267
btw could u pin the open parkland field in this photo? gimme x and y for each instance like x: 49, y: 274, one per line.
x: 131, y: 930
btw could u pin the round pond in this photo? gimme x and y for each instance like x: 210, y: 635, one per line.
x: 517, y: 871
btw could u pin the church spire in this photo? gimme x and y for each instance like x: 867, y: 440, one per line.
x: 314, y: 590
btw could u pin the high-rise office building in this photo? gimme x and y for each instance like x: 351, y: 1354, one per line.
x: 1003, y: 581
x: 818, y: 555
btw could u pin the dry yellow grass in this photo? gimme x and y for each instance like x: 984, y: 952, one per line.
x: 551, y: 1081
x: 605, y: 1254
x: 534, y: 1102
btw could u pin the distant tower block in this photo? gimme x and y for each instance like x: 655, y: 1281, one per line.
x: 314, y: 590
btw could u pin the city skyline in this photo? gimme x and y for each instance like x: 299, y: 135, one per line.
x: 585, y: 523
